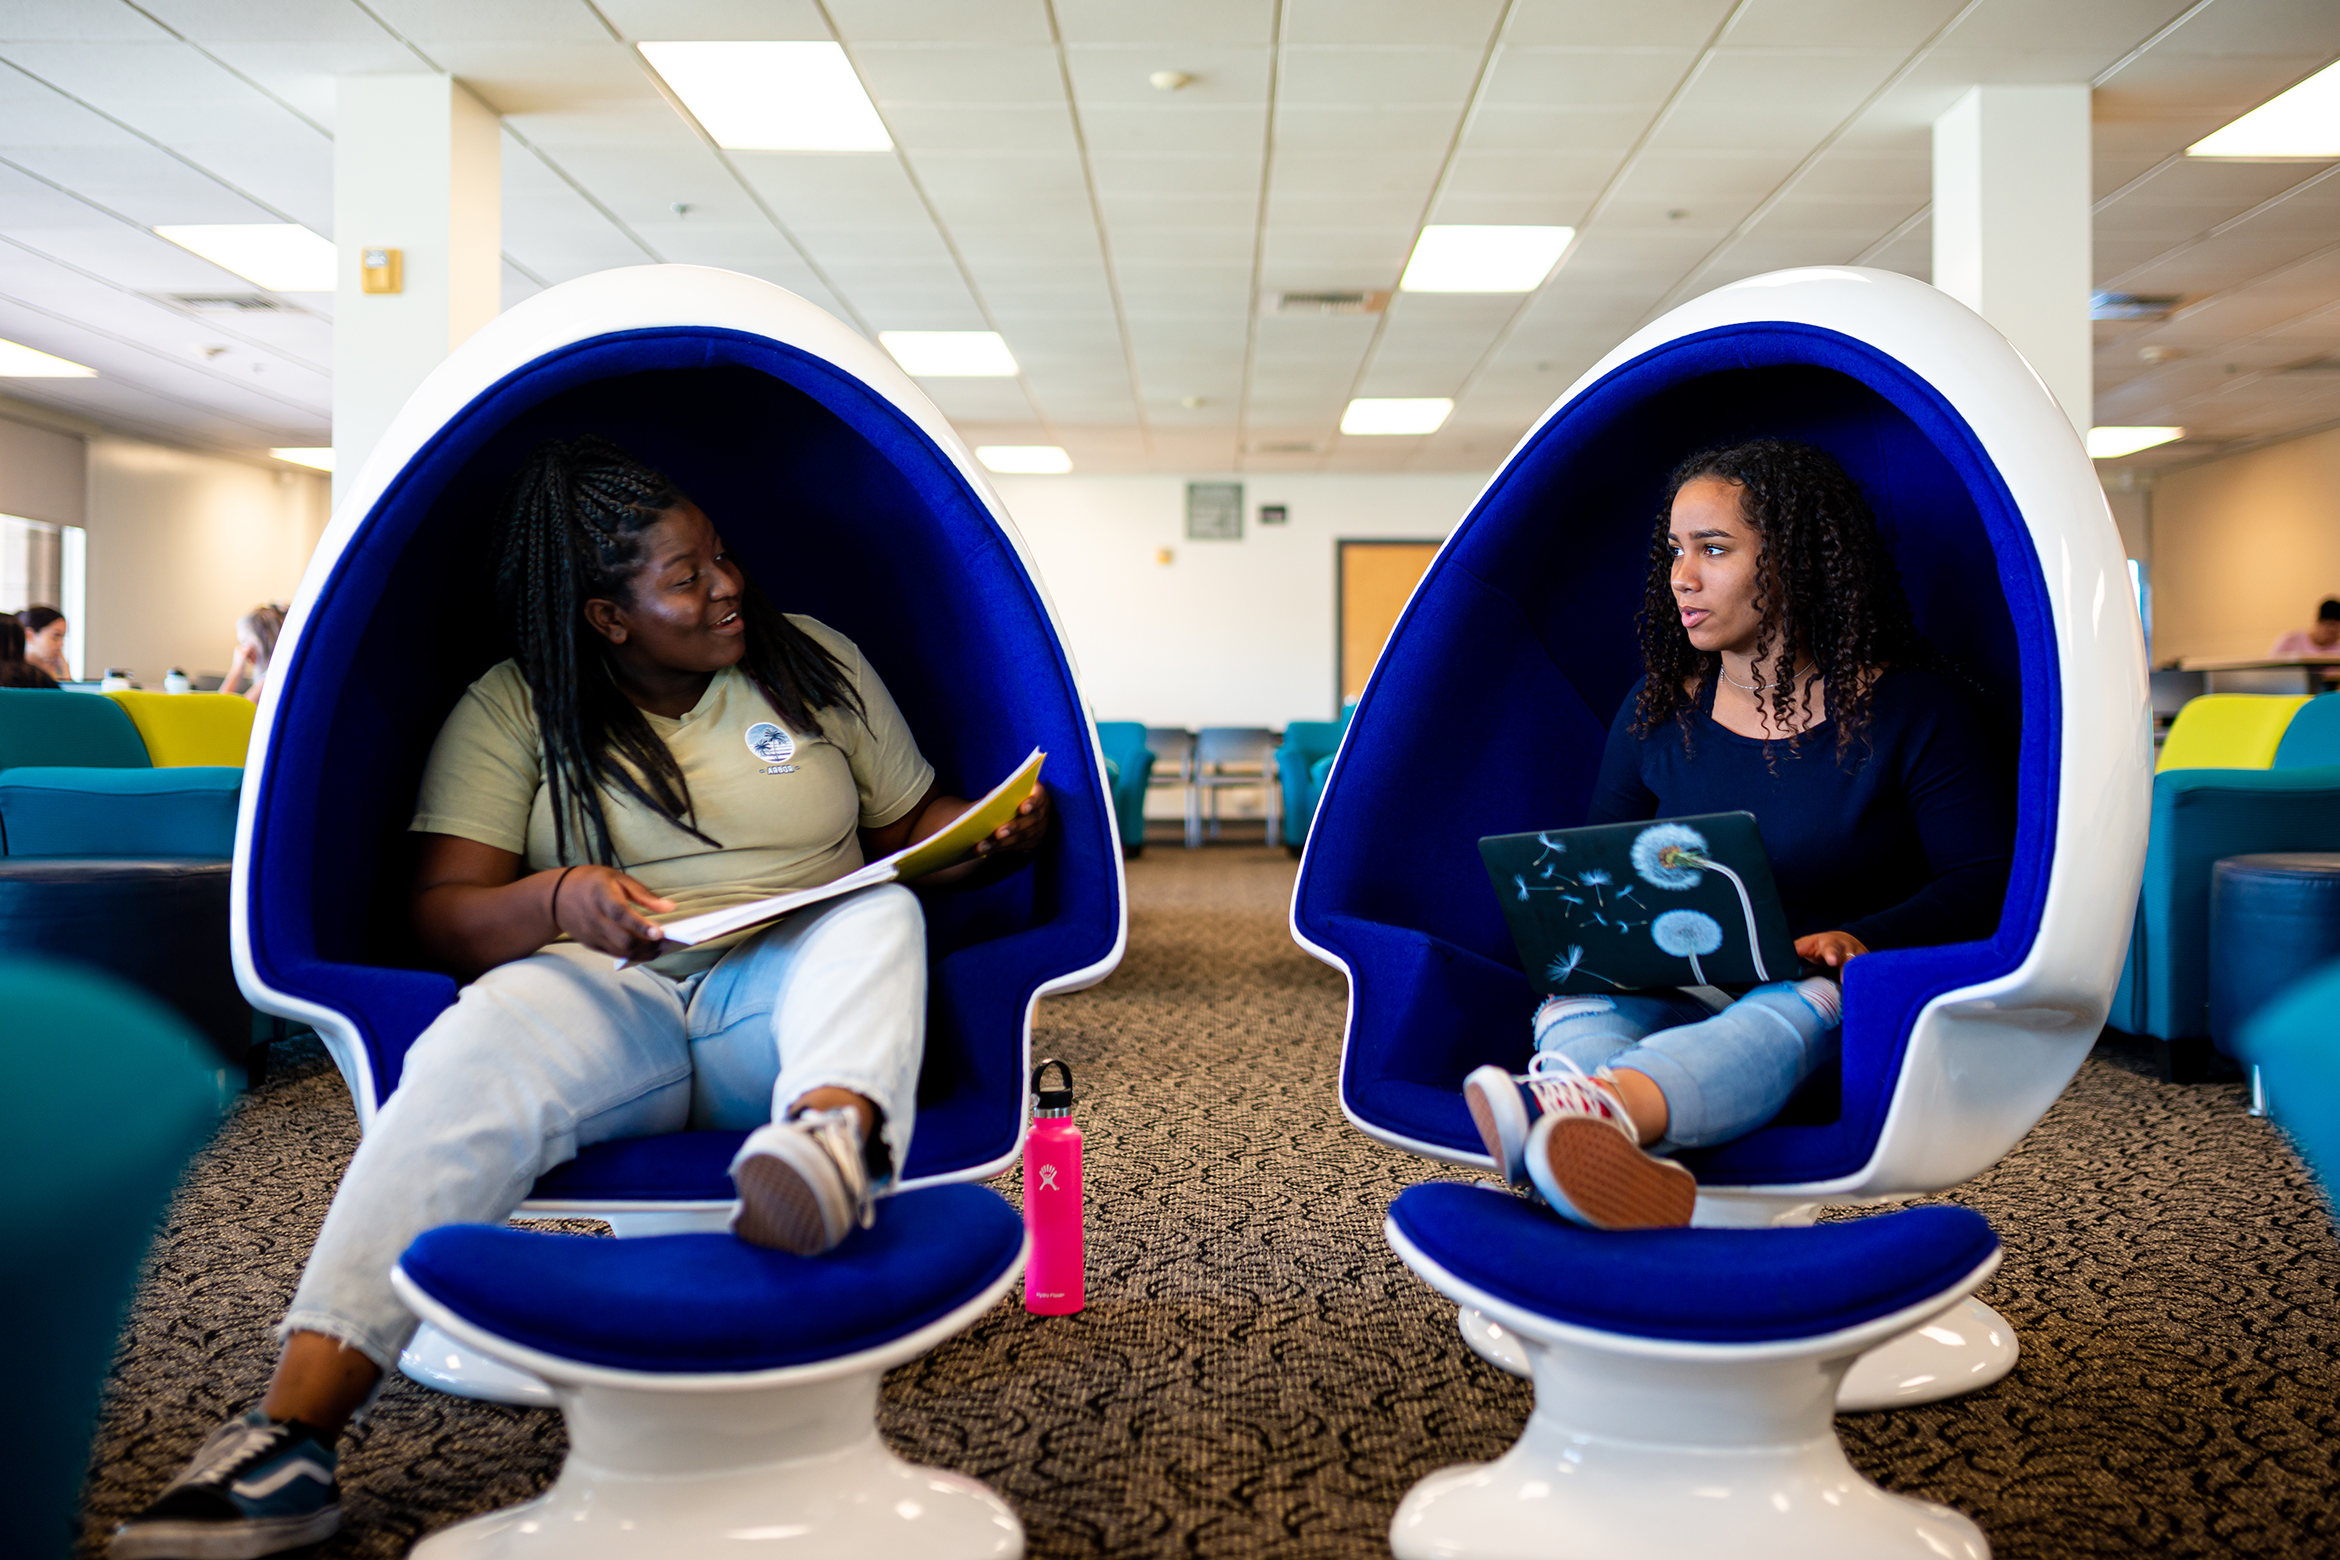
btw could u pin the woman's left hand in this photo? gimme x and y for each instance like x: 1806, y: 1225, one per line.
x: 1022, y: 834
x: 1834, y: 949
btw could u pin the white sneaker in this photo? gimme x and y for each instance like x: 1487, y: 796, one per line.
x: 803, y: 1185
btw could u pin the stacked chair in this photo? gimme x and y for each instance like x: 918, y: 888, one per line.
x: 1674, y: 1366
x: 2240, y: 774
x: 710, y: 1389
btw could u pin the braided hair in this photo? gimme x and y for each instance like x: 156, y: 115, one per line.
x: 1825, y: 587
x: 572, y: 529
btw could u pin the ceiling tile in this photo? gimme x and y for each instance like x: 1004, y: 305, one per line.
x: 1379, y: 77
x: 1166, y: 26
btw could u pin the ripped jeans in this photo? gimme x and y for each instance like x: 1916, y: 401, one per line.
x: 1723, y: 1074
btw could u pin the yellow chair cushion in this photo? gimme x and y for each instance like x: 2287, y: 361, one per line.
x: 2228, y: 731
x: 190, y: 728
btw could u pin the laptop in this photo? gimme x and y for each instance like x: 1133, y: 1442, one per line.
x: 1645, y: 906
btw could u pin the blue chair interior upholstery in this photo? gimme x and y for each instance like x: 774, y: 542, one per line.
x: 713, y: 1303
x: 840, y: 507
x: 1519, y: 648
x: 1693, y: 1286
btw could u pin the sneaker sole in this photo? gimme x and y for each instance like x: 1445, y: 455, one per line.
x: 1611, y: 1184
x: 1493, y: 1107
x: 779, y: 1206
x: 223, y: 1540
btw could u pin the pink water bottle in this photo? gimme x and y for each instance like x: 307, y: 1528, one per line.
x: 1052, y: 1201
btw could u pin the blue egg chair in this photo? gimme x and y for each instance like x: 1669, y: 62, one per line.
x: 847, y: 496
x: 1518, y: 647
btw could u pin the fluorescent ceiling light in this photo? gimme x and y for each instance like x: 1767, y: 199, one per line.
x: 1036, y: 460
x: 1392, y: 415
x: 24, y: 363
x: 950, y: 354
x: 280, y: 256
x: 1484, y: 259
x: 772, y: 97
x: 316, y: 459
x: 2304, y: 122
x: 2113, y: 443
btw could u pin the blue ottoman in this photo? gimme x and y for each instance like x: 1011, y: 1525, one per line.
x: 2273, y: 918
x: 720, y: 1397
x: 1685, y: 1382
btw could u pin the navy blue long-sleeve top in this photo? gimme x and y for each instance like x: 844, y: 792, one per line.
x: 1904, y: 843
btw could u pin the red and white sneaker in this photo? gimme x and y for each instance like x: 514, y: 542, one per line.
x: 1506, y: 1106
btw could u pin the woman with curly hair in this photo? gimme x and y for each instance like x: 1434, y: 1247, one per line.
x: 1785, y: 678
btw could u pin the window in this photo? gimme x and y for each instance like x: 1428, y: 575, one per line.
x: 41, y: 564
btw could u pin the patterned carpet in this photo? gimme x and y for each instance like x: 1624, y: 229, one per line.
x: 1256, y: 1374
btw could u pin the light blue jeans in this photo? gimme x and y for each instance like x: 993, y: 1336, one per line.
x: 561, y: 1050
x: 1723, y: 1074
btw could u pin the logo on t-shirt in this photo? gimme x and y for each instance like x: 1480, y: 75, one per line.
x: 771, y: 745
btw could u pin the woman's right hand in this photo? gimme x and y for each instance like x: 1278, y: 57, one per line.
x: 602, y: 908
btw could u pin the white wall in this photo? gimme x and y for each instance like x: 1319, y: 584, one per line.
x: 1227, y: 633
x: 181, y: 545
x: 2244, y: 548
x: 43, y: 473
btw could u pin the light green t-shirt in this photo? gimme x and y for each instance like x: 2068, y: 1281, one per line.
x: 783, y: 805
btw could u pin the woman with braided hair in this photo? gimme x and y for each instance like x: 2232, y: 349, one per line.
x: 663, y: 742
x: 1784, y: 677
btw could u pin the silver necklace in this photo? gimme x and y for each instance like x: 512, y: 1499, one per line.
x: 1761, y: 687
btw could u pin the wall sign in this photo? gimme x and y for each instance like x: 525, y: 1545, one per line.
x: 1274, y: 514
x: 1214, y: 511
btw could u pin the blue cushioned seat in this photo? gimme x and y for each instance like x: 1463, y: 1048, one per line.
x: 1694, y: 1285
x: 68, y: 811
x: 686, y: 1304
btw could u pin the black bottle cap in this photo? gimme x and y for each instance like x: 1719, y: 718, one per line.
x: 1054, y: 1102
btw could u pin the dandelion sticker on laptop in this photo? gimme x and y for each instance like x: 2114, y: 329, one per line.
x: 1641, y: 906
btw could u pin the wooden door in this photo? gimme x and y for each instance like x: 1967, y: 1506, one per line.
x: 1375, y: 578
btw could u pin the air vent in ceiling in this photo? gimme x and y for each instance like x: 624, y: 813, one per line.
x: 2132, y: 306
x: 1287, y: 447
x: 1332, y: 302
x: 225, y: 303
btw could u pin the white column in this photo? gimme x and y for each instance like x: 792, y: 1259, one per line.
x: 2012, y: 226
x: 416, y: 168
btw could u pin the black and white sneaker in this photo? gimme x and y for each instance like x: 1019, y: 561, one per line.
x: 260, y: 1486
x: 803, y: 1183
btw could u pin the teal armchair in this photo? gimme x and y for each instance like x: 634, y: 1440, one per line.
x: 75, y: 780
x: 1303, y: 763
x: 98, y: 1119
x: 1130, y: 765
x: 2200, y: 816
x: 110, y: 862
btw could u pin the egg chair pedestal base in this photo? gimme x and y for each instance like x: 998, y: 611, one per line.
x: 1749, y: 1468
x: 657, y: 1475
x: 434, y: 1360
x: 1963, y: 1350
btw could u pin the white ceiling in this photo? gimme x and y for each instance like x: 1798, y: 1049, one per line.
x: 1130, y: 244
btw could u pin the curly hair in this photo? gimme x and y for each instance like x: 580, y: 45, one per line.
x: 1825, y: 588
x: 572, y: 529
